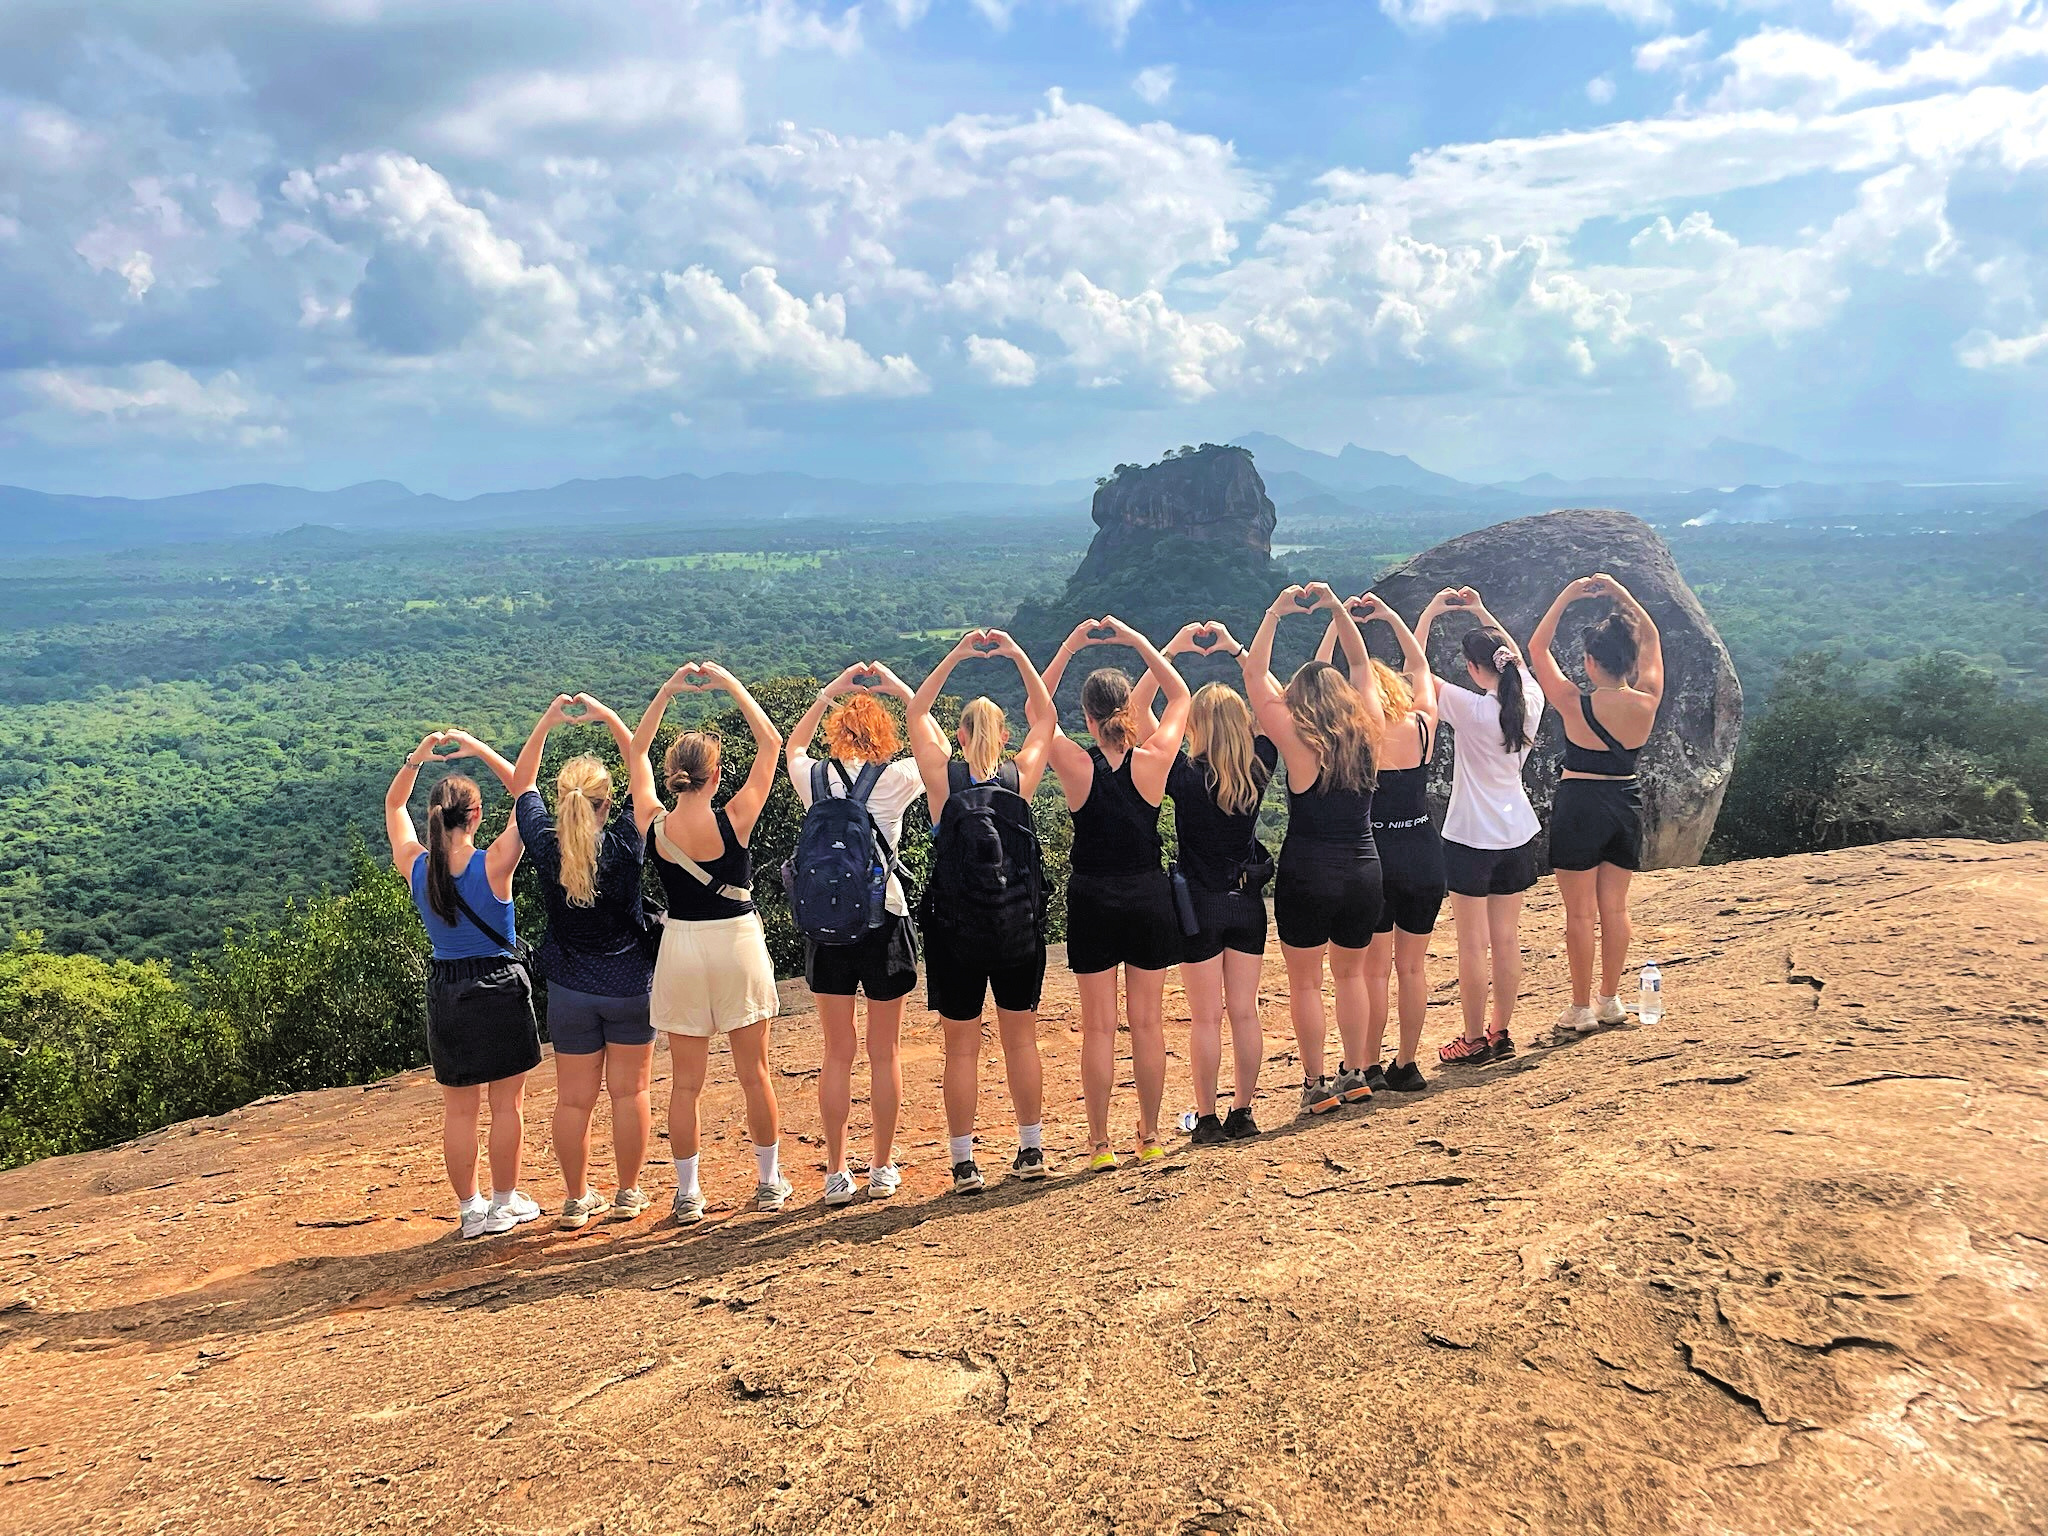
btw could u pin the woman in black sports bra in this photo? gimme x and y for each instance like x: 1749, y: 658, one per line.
x: 1596, y: 821
x: 1120, y: 911
x: 1412, y: 878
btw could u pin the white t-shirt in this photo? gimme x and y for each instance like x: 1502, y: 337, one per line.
x: 899, y: 788
x: 1489, y: 807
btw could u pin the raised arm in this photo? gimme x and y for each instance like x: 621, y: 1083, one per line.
x: 928, y: 743
x: 1269, y: 700
x: 526, y: 772
x: 1560, y: 690
x: 1649, y: 643
x: 1041, y: 716
x: 1064, y: 755
x: 484, y: 753
x: 405, y: 839
x: 1442, y: 603
x: 1143, y: 715
x: 682, y: 680
x: 744, y: 808
x: 508, y: 847
x: 1152, y: 758
x: 639, y: 771
x: 797, y: 752
x: 1367, y: 609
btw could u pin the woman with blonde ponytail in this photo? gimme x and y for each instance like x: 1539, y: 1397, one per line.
x: 590, y: 859
x: 481, y: 1036
x: 1217, y: 789
x: 983, y: 912
x: 1120, y: 910
x: 1327, y: 895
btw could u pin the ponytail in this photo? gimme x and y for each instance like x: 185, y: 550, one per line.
x: 1489, y: 650
x: 449, y: 808
x: 983, y: 732
x: 1106, y: 701
x: 582, y: 790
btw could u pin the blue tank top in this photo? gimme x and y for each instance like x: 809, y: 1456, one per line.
x: 462, y: 939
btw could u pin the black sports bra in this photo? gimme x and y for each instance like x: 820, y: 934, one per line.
x: 1616, y: 760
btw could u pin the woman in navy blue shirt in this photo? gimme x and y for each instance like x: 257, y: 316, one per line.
x: 590, y: 860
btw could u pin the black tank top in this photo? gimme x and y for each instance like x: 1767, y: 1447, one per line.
x: 1616, y: 760
x: 1402, y: 800
x: 690, y: 900
x: 1330, y: 823
x: 1116, y: 829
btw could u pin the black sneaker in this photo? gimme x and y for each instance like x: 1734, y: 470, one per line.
x: 1407, y: 1079
x: 1376, y: 1077
x: 967, y: 1178
x: 1208, y: 1132
x: 1500, y: 1045
x: 1239, y: 1125
x: 1030, y: 1164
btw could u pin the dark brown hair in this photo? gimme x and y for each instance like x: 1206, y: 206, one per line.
x: 1614, y: 644
x: 1106, y: 701
x: 1481, y: 646
x: 451, y: 806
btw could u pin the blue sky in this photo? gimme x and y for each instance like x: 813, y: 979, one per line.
x: 475, y: 246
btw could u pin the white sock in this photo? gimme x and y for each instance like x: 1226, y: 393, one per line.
x: 1029, y: 1136
x: 475, y: 1202
x: 769, y: 1161
x: 963, y: 1149
x: 686, y: 1175
x: 502, y: 1196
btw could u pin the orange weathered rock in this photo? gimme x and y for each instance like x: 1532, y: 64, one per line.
x: 1773, y: 1264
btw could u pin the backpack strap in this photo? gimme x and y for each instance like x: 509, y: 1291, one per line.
x: 697, y: 871
x: 1008, y: 777
x: 958, y: 777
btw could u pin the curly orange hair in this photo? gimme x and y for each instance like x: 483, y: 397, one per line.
x: 860, y: 730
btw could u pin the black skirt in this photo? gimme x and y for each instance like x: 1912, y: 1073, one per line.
x: 480, y: 1024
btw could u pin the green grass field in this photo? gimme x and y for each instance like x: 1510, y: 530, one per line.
x: 764, y: 562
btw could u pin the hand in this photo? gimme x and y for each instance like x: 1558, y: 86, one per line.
x: 465, y: 745
x: 1081, y: 636
x: 967, y: 646
x: 1221, y: 639
x: 685, y: 679
x: 986, y: 642
x: 890, y: 683
x: 1611, y: 586
x: 594, y: 707
x: 427, y: 749
x: 1194, y: 638
x: 1468, y: 597
x: 848, y: 681
x: 557, y: 712
x: 1003, y: 645
x: 1098, y: 632
x: 1120, y: 633
x: 1366, y: 608
x: 1289, y: 601
x: 1324, y: 596
x: 711, y: 677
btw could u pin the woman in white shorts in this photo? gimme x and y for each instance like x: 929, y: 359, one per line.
x: 713, y: 975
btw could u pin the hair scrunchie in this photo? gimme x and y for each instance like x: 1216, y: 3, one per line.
x: 1501, y: 658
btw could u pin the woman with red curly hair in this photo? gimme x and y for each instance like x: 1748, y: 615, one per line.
x: 883, y: 962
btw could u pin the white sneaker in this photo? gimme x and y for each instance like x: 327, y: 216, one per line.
x: 839, y: 1188
x: 628, y: 1203
x: 884, y: 1181
x: 581, y: 1210
x: 773, y: 1197
x: 688, y: 1208
x: 516, y: 1211
x: 472, y: 1217
x: 1608, y: 1010
x: 498, y: 1219
x: 1578, y: 1020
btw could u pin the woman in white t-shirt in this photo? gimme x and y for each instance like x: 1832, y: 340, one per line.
x: 883, y: 963
x: 1490, y: 829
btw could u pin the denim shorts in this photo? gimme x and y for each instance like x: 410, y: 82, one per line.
x: 582, y: 1023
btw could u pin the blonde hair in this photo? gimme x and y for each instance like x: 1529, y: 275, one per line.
x: 692, y: 761
x: 1106, y: 701
x: 984, y: 732
x: 860, y: 730
x: 583, y: 789
x: 1397, y: 699
x: 1220, y: 738
x: 1336, y: 725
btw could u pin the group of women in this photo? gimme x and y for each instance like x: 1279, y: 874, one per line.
x: 1358, y: 885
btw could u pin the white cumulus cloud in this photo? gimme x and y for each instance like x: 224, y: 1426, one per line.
x: 1153, y: 84
x: 1004, y: 364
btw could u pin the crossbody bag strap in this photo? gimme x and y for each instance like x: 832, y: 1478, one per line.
x: 480, y: 925
x: 696, y: 871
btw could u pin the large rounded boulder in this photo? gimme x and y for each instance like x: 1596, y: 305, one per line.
x: 1519, y: 567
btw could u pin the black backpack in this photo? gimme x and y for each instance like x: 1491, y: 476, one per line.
x: 837, y: 881
x: 988, y: 885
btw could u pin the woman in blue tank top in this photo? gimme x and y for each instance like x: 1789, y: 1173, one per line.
x: 481, y: 1035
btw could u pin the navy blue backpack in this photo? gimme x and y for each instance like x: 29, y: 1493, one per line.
x: 837, y: 881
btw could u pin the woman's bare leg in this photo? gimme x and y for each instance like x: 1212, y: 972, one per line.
x: 1474, y: 961
x: 689, y: 1057
x: 1615, y: 928
x: 963, y: 1074
x: 835, y: 1075
x: 1504, y: 935
x: 626, y: 1071
x: 1098, y: 1050
x: 1022, y: 1065
x: 507, y: 1098
x: 1347, y: 980
x: 1241, y: 974
x: 885, y: 1078
x: 750, y: 1062
x: 461, y: 1109
x: 1411, y: 971
x: 578, y: 1078
x: 1581, y: 912
x: 1379, y: 969
x: 1202, y: 980
x: 1305, y: 1007
x: 1145, y: 1008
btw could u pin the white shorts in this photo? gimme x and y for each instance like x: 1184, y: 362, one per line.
x: 712, y: 977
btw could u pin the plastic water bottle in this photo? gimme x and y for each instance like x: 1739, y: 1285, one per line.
x: 1187, y: 1121
x: 1650, y: 998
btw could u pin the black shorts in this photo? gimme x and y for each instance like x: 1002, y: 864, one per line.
x: 1489, y: 871
x: 1317, y: 902
x: 1595, y: 822
x: 882, y: 963
x: 480, y: 1024
x: 1115, y: 920
x: 958, y: 979
x: 1412, y: 878
x: 1230, y: 920
x: 584, y: 1023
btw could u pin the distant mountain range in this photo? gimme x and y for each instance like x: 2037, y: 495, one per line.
x: 1725, y: 482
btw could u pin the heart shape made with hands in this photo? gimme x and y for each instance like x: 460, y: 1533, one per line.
x: 447, y: 749
x: 1101, y: 632
x: 573, y: 711
x: 867, y: 678
x: 1305, y: 599
x: 984, y: 644
x: 1205, y: 640
x: 1362, y: 606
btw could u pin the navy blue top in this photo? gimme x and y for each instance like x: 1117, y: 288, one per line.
x: 462, y: 939
x: 594, y: 949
